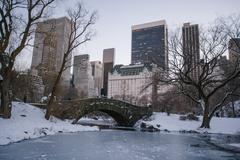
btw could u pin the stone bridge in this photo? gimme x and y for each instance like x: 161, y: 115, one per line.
x: 125, y: 114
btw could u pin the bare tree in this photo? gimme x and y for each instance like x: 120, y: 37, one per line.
x: 80, y: 32
x: 17, y: 21
x: 171, y: 101
x: 213, y: 44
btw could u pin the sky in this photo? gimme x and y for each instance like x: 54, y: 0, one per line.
x: 115, y: 18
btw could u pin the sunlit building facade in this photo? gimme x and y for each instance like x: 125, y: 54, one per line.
x: 131, y: 83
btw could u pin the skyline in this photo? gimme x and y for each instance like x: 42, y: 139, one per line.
x: 122, y: 80
x: 113, y: 27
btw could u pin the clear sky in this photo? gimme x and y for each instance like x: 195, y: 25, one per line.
x: 113, y: 28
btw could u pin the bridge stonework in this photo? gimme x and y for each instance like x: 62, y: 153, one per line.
x: 125, y: 114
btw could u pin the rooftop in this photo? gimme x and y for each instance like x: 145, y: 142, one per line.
x: 134, y: 69
x: 149, y: 25
x: 188, y: 24
x: 60, y: 19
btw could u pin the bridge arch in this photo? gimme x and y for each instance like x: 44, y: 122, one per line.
x: 125, y: 114
x: 119, y: 118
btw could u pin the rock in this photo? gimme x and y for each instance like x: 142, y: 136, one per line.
x: 183, y: 118
x: 193, y: 131
x: 182, y: 131
x: 195, y: 145
x: 165, y: 130
x: 95, y: 118
x: 143, y: 125
x: 189, y: 116
x: 190, y: 131
x: 148, y: 128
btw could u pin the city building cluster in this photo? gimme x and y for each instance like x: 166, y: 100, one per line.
x: 132, y: 83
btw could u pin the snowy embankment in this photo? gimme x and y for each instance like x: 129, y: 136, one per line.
x: 172, y: 123
x: 28, y: 122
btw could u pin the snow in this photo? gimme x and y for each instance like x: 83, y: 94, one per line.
x: 235, y: 145
x: 44, y: 99
x: 172, y: 123
x: 28, y: 122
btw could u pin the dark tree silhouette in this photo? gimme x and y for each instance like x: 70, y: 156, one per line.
x: 214, y: 43
x: 80, y: 32
x: 17, y: 21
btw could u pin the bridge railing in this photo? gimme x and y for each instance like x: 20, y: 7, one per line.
x: 107, y: 101
x: 102, y: 100
x: 67, y: 103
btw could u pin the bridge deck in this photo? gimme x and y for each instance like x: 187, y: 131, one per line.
x: 124, y: 113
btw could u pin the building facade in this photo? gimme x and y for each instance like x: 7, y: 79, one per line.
x: 191, y: 50
x: 37, y: 87
x: 97, y: 73
x: 82, y: 76
x: 234, y: 49
x: 50, y: 43
x: 108, y: 63
x: 51, y: 38
x: 128, y: 83
x: 149, y: 43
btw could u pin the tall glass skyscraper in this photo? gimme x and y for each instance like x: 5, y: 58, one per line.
x: 149, y: 43
x: 191, y: 50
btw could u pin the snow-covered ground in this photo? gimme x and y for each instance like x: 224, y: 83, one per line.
x: 28, y: 122
x: 235, y: 144
x: 172, y: 123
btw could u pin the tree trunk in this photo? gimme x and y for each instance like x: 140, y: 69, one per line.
x: 53, y: 94
x: 5, y: 100
x: 50, y: 102
x: 49, y: 108
x: 205, y: 122
x: 233, y: 107
x: 206, y: 118
x: 154, y: 93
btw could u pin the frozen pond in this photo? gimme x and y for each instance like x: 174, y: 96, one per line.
x: 115, y: 145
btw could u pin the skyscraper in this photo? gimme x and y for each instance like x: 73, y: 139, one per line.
x: 51, y: 38
x: 108, y: 62
x: 97, y: 73
x: 149, y: 43
x: 191, y: 51
x: 82, y: 76
x: 50, y: 43
x: 234, y: 49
